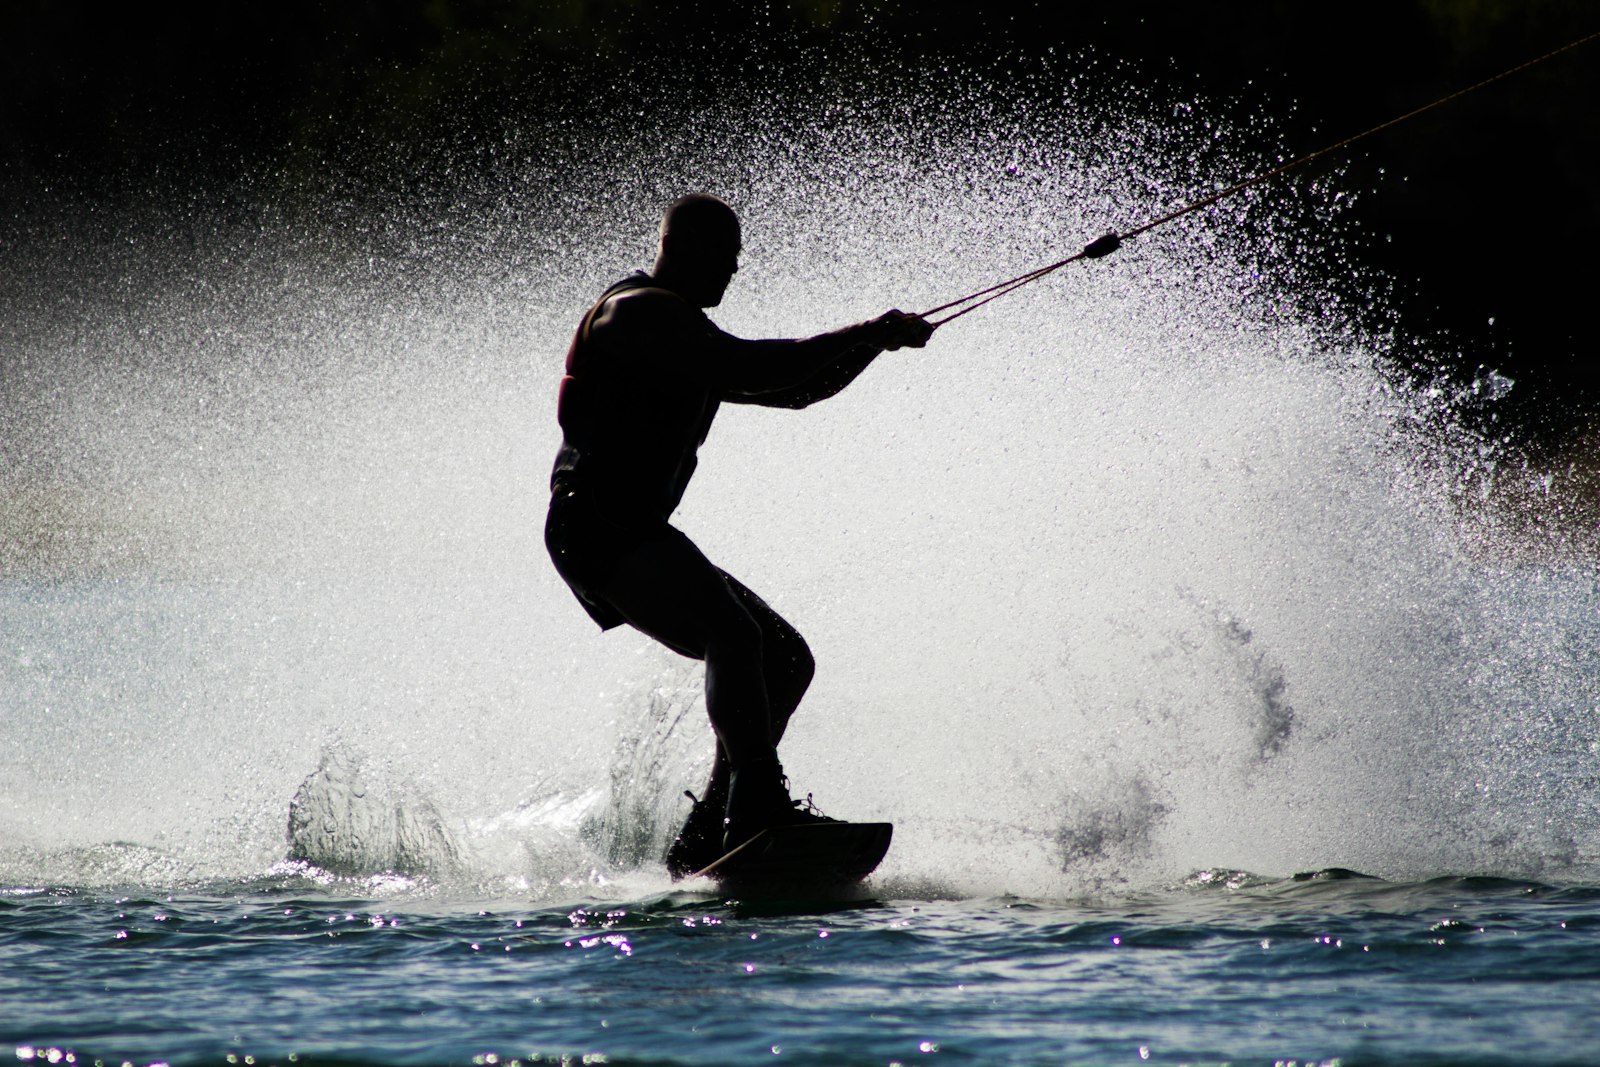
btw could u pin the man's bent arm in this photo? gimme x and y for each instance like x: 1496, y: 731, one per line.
x: 854, y: 347
x: 745, y: 371
x: 843, y: 369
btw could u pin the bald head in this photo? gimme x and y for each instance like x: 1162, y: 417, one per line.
x: 701, y: 217
x: 699, y: 250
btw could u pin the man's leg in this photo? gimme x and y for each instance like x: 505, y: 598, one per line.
x: 757, y: 669
x: 787, y: 668
x: 670, y: 591
x: 786, y: 662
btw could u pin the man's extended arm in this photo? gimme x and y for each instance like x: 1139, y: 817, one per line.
x: 841, y: 356
x: 840, y: 371
x: 777, y: 373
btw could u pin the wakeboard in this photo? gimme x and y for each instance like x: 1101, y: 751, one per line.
x: 810, y: 856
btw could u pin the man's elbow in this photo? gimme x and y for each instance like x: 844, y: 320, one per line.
x: 793, y: 399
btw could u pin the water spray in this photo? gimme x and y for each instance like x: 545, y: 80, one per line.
x: 1109, y: 243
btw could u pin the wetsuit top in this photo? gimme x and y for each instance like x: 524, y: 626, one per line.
x: 632, y: 421
x: 633, y: 416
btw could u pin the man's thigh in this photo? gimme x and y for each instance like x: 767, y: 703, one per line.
x: 668, y: 589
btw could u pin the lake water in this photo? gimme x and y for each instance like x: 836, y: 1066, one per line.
x: 1135, y: 597
x: 1331, y: 968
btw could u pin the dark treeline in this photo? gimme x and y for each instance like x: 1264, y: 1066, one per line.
x: 1494, y: 218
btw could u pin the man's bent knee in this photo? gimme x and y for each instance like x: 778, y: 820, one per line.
x: 734, y: 633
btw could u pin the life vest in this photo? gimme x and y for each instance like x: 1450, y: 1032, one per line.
x: 632, y: 421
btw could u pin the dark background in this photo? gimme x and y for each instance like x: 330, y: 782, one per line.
x: 1495, y: 218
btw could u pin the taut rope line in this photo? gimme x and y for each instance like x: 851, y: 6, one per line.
x: 1104, y: 246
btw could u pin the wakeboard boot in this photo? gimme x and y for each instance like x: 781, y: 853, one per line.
x: 758, y: 798
x: 699, y: 843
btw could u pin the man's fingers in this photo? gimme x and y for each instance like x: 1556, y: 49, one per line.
x: 905, y: 331
x: 914, y: 332
x: 920, y: 329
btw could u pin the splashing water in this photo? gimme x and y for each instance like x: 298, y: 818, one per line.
x: 1152, y: 568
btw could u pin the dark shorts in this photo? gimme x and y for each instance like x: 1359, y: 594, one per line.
x: 651, y: 576
x: 586, y: 545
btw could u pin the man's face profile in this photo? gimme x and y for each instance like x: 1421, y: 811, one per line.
x: 700, y: 246
x: 720, y: 262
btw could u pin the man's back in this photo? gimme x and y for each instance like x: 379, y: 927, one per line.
x: 637, y: 400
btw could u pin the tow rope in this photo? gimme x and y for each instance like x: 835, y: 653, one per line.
x: 1108, y: 244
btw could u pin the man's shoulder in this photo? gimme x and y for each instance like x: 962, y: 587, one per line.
x: 637, y: 305
x: 646, y: 296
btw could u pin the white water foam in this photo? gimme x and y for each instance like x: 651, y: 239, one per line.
x: 1150, y: 568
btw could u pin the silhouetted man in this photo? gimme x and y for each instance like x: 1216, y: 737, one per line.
x: 646, y: 373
